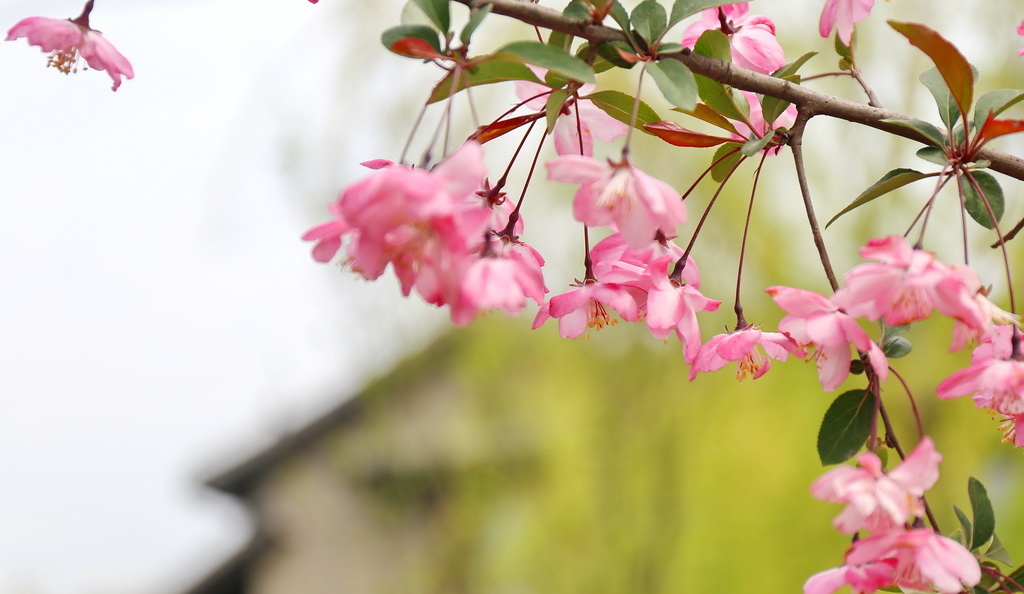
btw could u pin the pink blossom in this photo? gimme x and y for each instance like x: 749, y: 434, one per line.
x: 579, y: 122
x: 875, y: 500
x: 1020, y: 31
x: 815, y: 321
x: 621, y: 195
x: 742, y: 346
x: 751, y: 36
x: 69, y: 40
x: 841, y: 15
x: 758, y: 128
x: 905, y: 285
x: 964, y: 333
x: 997, y: 384
x: 499, y: 282
x: 586, y: 306
x: 673, y: 303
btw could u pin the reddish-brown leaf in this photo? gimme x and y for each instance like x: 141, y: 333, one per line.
x: 952, y: 65
x: 414, y: 47
x: 501, y: 127
x: 994, y: 128
x: 675, y: 134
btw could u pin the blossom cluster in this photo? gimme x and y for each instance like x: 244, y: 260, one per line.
x: 899, y: 550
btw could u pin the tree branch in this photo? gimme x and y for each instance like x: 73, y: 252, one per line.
x: 809, y: 101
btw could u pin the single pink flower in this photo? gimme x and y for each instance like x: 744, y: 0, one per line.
x: 991, y: 314
x: 1020, y: 31
x: 997, y: 384
x: 875, y: 500
x: 744, y: 346
x: 619, y: 194
x: 905, y: 285
x: 672, y: 305
x: 815, y: 321
x: 751, y: 36
x: 578, y: 124
x: 586, y: 306
x: 502, y: 278
x: 758, y: 128
x: 841, y: 15
x: 69, y: 40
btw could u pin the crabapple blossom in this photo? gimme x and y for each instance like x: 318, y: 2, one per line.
x: 751, y: 36
x: 963, y: 333
x: 841, y: 15
x: 742, y: 346
x: 815, y: 321
x: 917, y: 559
x: 905, y: 285
x: 500, y: 282
x: 68, y: 41
x: 880, y: 501
x: 672, y: 305
x: 756, y: 127
x: 579, y: 122
x: 617, y: 193
x: 586, y: 306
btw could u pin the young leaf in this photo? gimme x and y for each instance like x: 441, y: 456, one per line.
x: 981, y: 509
x: 649, y: 20
x: 620, y: 106
x: 395, y: 34
x: 772, y: 107
x: 414, y: 47
x: 792, y: 68
x: 437, y: 12
x: 676, y: 83
x: 994, y: 103
x: 929, y: 131
x: 730, y: 156
x: 897, y: 178
x: 973, y: 201
x: 968, y: 530
x: 500, y: 128
x: 684, y: 8
x: 618, y: 53
x: 897, y: 347
x: 752, y: 147
x: 675, y: 134
x: 705, y: 113
x: 891, y: 331
x: 546, y: 56
x: 994, y: 128
x: 475, y: 18
x: 933, y: 154
x: 952, y: 65
x: 846, y: 426
x: 486, y: 71
x: 948, y: 111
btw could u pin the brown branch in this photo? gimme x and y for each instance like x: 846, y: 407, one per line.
x: 809, y: 101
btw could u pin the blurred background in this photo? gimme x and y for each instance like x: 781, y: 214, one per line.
x: 189, y: 403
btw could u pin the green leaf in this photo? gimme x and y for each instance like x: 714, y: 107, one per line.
x: 981, y: 509
x: 929, y: 131
x: 476, y: 16
x: 933, y: 154
x: 721, y: 98
x: 676, y: 83
x: 1017, y: 577
x: 553, y: 107
x: 995, y: 102
x: 488, y: 70
x: 649, y: 20
x: 546, y: 56
x: 562, y: 41
x: 944, y: 101
x: 846, y: 426
x: 997, y: 552
x: 952, y: 65
x: 897, y: 178
x: 714, y: 44
x: 980, y: 590
x: 891, y: 331
x: 965, y: 524
x: 684, y: 8
x: 676, y: 135
x: 705, y: 113
x: 897, y: 347
x: 437, y: 12
x: 792, y: 68
x: 973, y: 201
x: 752, y: 147
x: 772, y: 107
x: 731, y: 156
x: 610, y: 51
x: 620, y: 16
x: 620, y: 106
x: 577, y: 9
x: 845, y: 52
x: 393, y: 35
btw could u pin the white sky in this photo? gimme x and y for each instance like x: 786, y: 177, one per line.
x: 159, y: 317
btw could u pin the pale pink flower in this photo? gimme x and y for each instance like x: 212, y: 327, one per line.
x: 328, y: 235
x: 997, y: 384
x: 586, y: 306
x: 751, y: 36
x: 619, y: 194
x: 1020, y: 31
x: 69, y: 40
x: 917, y: 559
x: 496, y: 282
x: 875, y: 500
x: 964, y: 333
x: 758, y: 128
x: 673, y: 303
x: 905, y: 285
x: 744, y: 346
x: 580, y: 121
x: 841, y: 15
x: 815, y: 321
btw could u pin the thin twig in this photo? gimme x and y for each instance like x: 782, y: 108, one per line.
x: 796, y: 135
